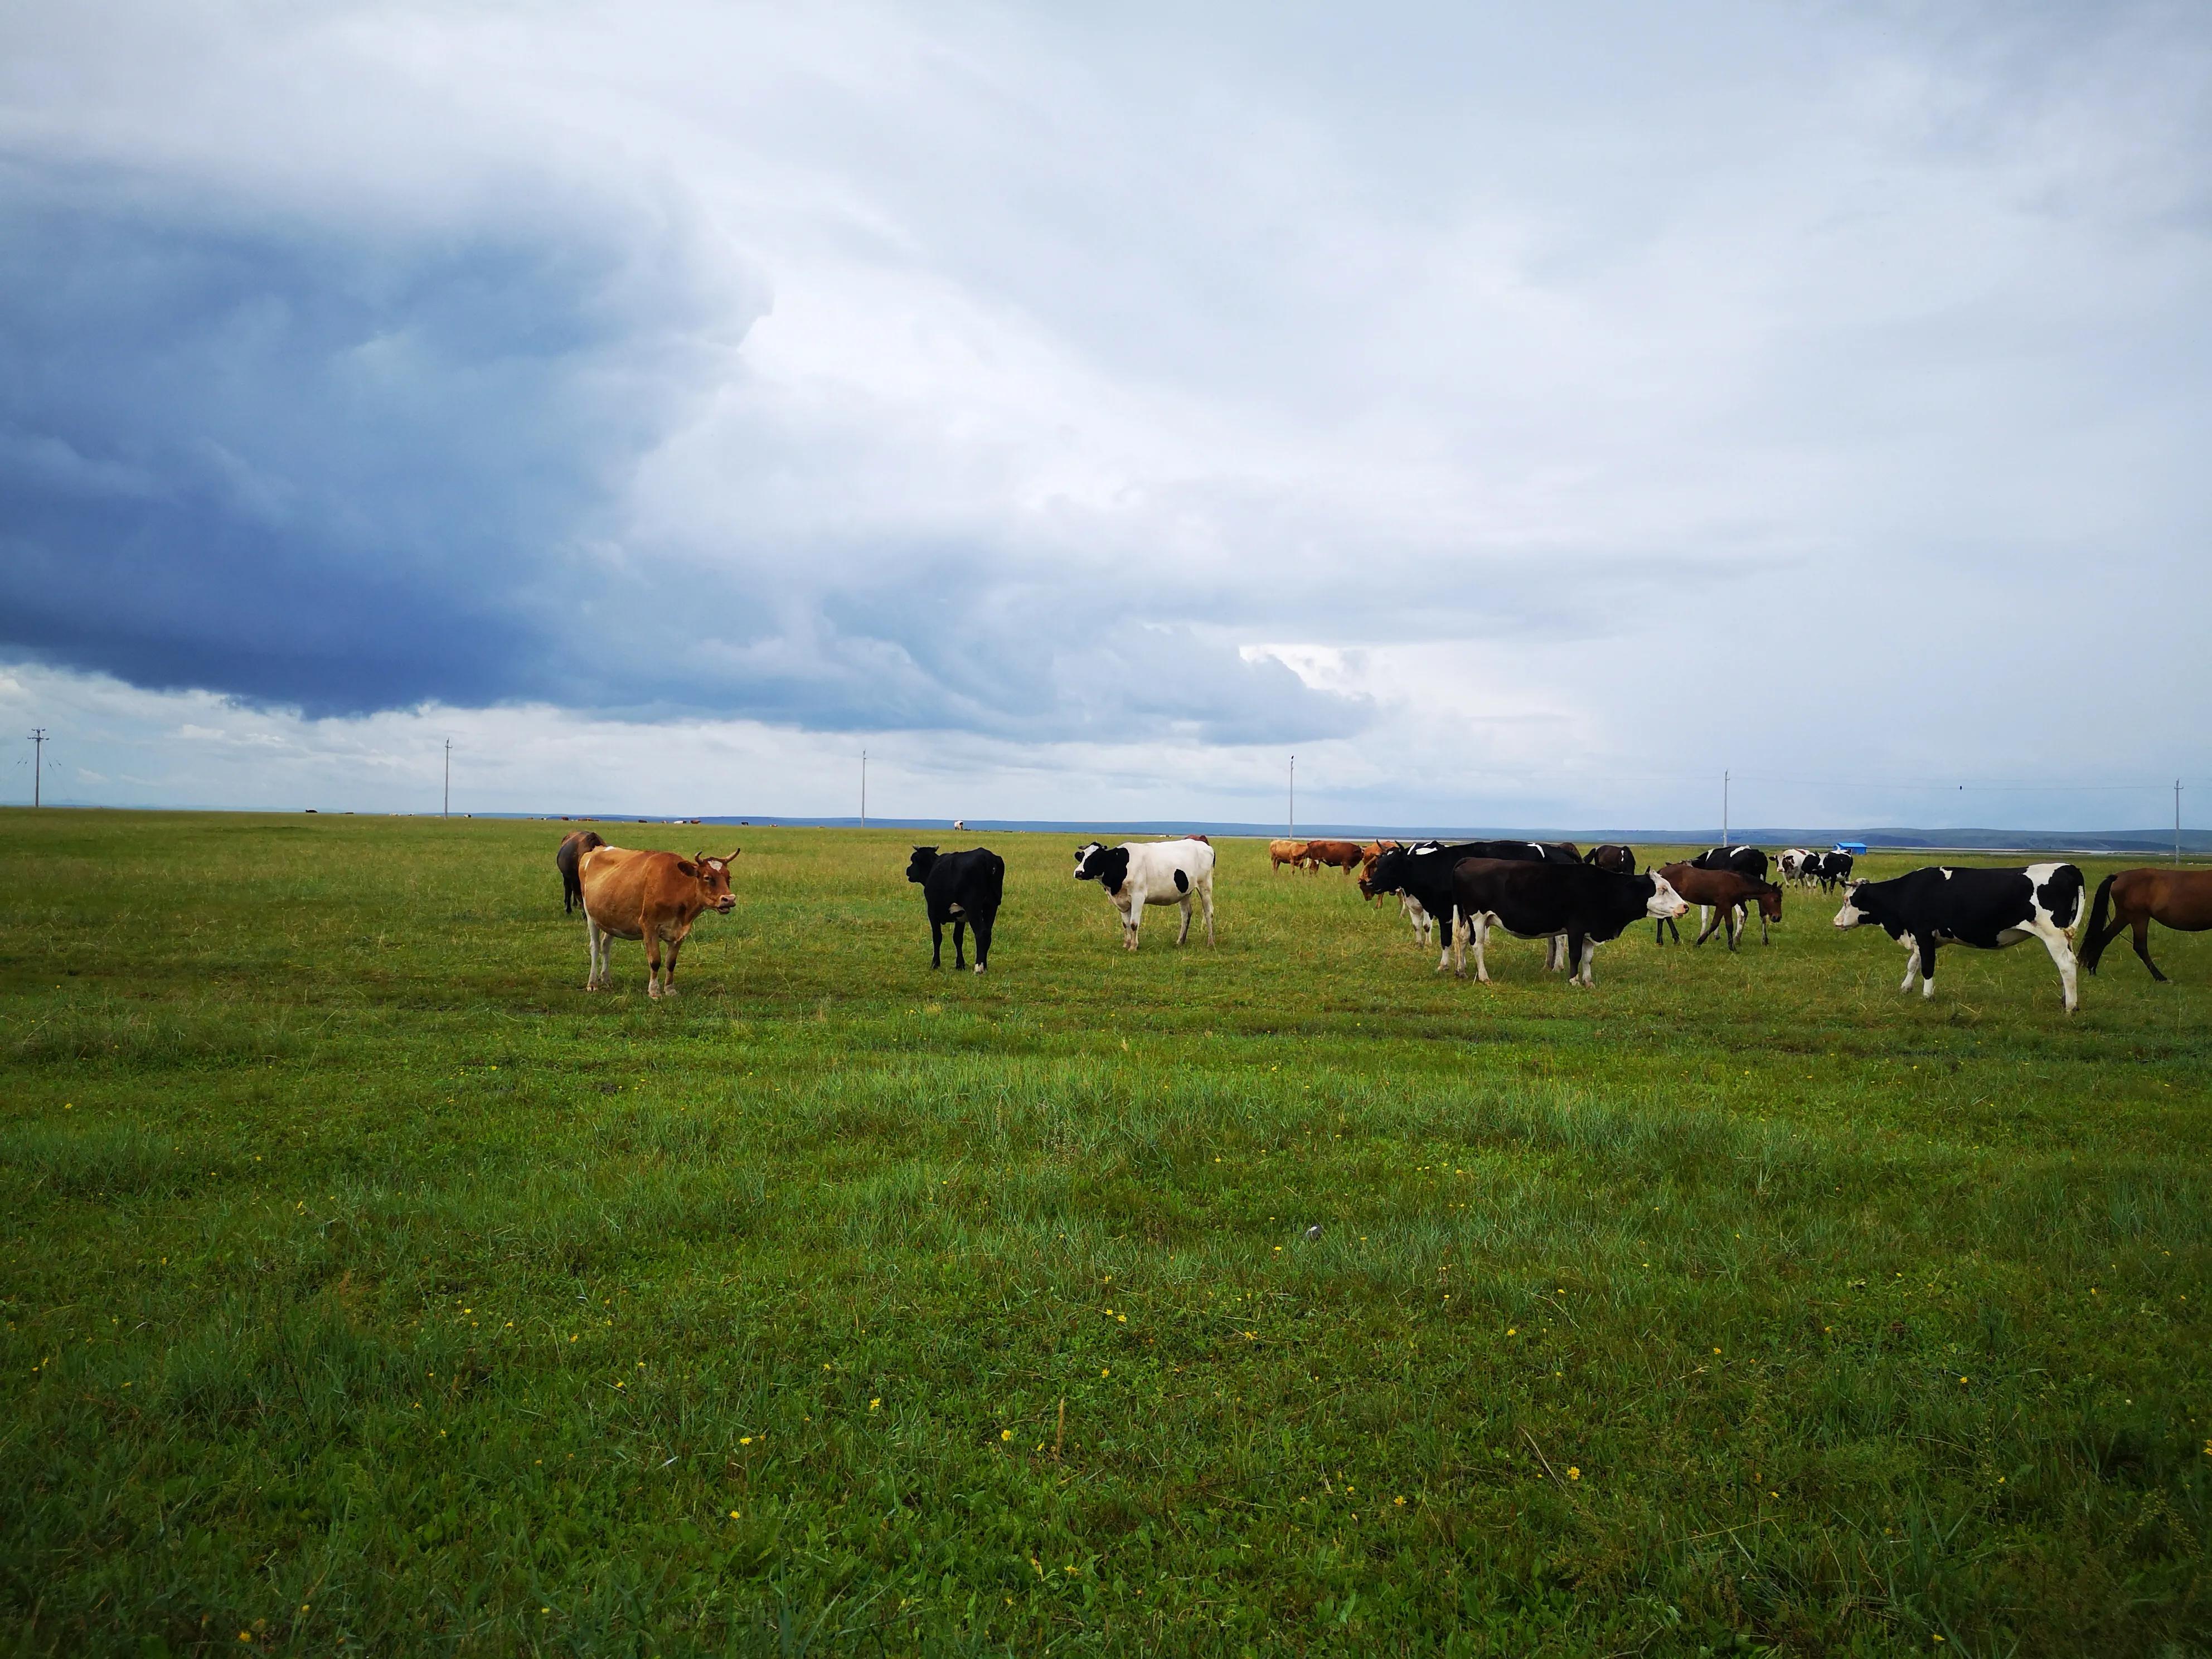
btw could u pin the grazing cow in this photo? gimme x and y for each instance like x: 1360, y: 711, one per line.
x: 2182, y: 899
x: 1541, y: 901
x: 1337, y: 854
x: 1728, y: 894
x: 1831, y: 870
x: 653, y: 896
x: 1423, y: 873
x: 573, y: 846
x: 1612, y: 857
x: 1987, y: 910
x: 964, y: 889
x: 1280, y: 853
x: 1790, y: 864
x: 1139, y: 873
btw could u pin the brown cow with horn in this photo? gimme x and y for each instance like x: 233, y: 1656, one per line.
x: 652, y: 896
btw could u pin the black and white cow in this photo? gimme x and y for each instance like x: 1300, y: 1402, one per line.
x: 1744, y: 861
x: 1987, y: 910
x: 964, y: 889
x: 1141, y: 872
x: 1544, y: 901
x: 1831, y: 870
x: 1790, y: 862
x: 1423, y: 873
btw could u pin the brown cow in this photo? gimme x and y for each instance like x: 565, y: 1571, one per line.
x: 1728, y: 891
x: 653, y: 896
x: 1280, y: 853
x: 573, y: 846
x: 1337, y: 854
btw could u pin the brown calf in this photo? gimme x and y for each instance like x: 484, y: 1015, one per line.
x: 1280, y: 853
x: 1728, y: 891
x: 653, y: 896
x: 1337, y: 854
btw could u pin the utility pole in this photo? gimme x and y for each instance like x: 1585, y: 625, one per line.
x: 1725, y: 806
x: 2177, y: 824
x: 863, y: 789
x: 449, y: 777
x: 1292, y: 829
x: 38, y: 768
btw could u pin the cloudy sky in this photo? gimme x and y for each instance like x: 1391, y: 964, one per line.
x: 1522, y: 414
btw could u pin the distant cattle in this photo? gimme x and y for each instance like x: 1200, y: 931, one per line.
x: 1985, y: 908
x: 1139, y: 873
x: 1280, y: 853
x: 653, y: 896
x: 964, y: 889
x: 573, y: 846
x: 1337, y: 854
x: 2181, y: 899
x: 1728, y: 894
x: 1542, y: 901
x: 1611, y: 857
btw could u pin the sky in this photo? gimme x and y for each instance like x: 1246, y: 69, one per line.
x: 1522, y: 415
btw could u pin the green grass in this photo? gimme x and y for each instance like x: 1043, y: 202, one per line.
x: 370, y: 1287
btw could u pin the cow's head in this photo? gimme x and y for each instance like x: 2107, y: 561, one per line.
x: 1386, y: 874
x: 1852, y: 915
x: 918, y: 866
x: 1664, y: 903
x: 713, y: 876
x: 1107, y: 865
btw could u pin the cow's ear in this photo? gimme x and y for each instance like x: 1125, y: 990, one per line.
x: 686, y: 867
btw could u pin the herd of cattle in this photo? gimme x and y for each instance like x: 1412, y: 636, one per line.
x: 1573, y: 900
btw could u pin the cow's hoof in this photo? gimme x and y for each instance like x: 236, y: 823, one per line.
x: 979, y: 967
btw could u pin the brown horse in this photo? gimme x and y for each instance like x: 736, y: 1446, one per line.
x: 573, y: 846
x: 1728, y: 891
x: 2182, y: 899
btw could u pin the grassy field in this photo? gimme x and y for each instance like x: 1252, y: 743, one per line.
x: 369, y: 1287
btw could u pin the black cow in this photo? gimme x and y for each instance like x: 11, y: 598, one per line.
x: 964, y: 889
x: 1744, y: 861
x: 1423, y: 871
x: 1987, y: 910
x: 1611, y: 856
x: 1545, y: 900
x: 573, y: 847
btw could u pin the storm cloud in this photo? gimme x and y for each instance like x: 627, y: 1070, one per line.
x: 1432, y: 383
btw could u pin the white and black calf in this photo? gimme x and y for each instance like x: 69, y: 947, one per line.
x: 1987, y: 910
x: 1141, y: 872
x: 1588, y: 906
x: 964, y: 889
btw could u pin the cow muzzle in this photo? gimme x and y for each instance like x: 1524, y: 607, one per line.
x: 725, y: 904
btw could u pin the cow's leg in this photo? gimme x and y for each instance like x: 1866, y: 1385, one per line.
x: 1927, y: 969
x: 936, y: 944
x: 668, y: 973
x: 651, y: 961
x: 1582, y: 957
x: 1183, y: 933
x: 591, y: 946
x: 1911, y: 961
x: 983, y: 925
x: 1444, y: 935
x: 2142, y: 947
x: 2061, y: 952
x: 959, y: 933
x: 1480, y: 927
x: 1205, y: 899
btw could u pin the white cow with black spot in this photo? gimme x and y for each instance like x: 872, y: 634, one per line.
x: 1141, y: 872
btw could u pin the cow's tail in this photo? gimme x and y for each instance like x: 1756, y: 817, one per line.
x: 2093, y: 946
